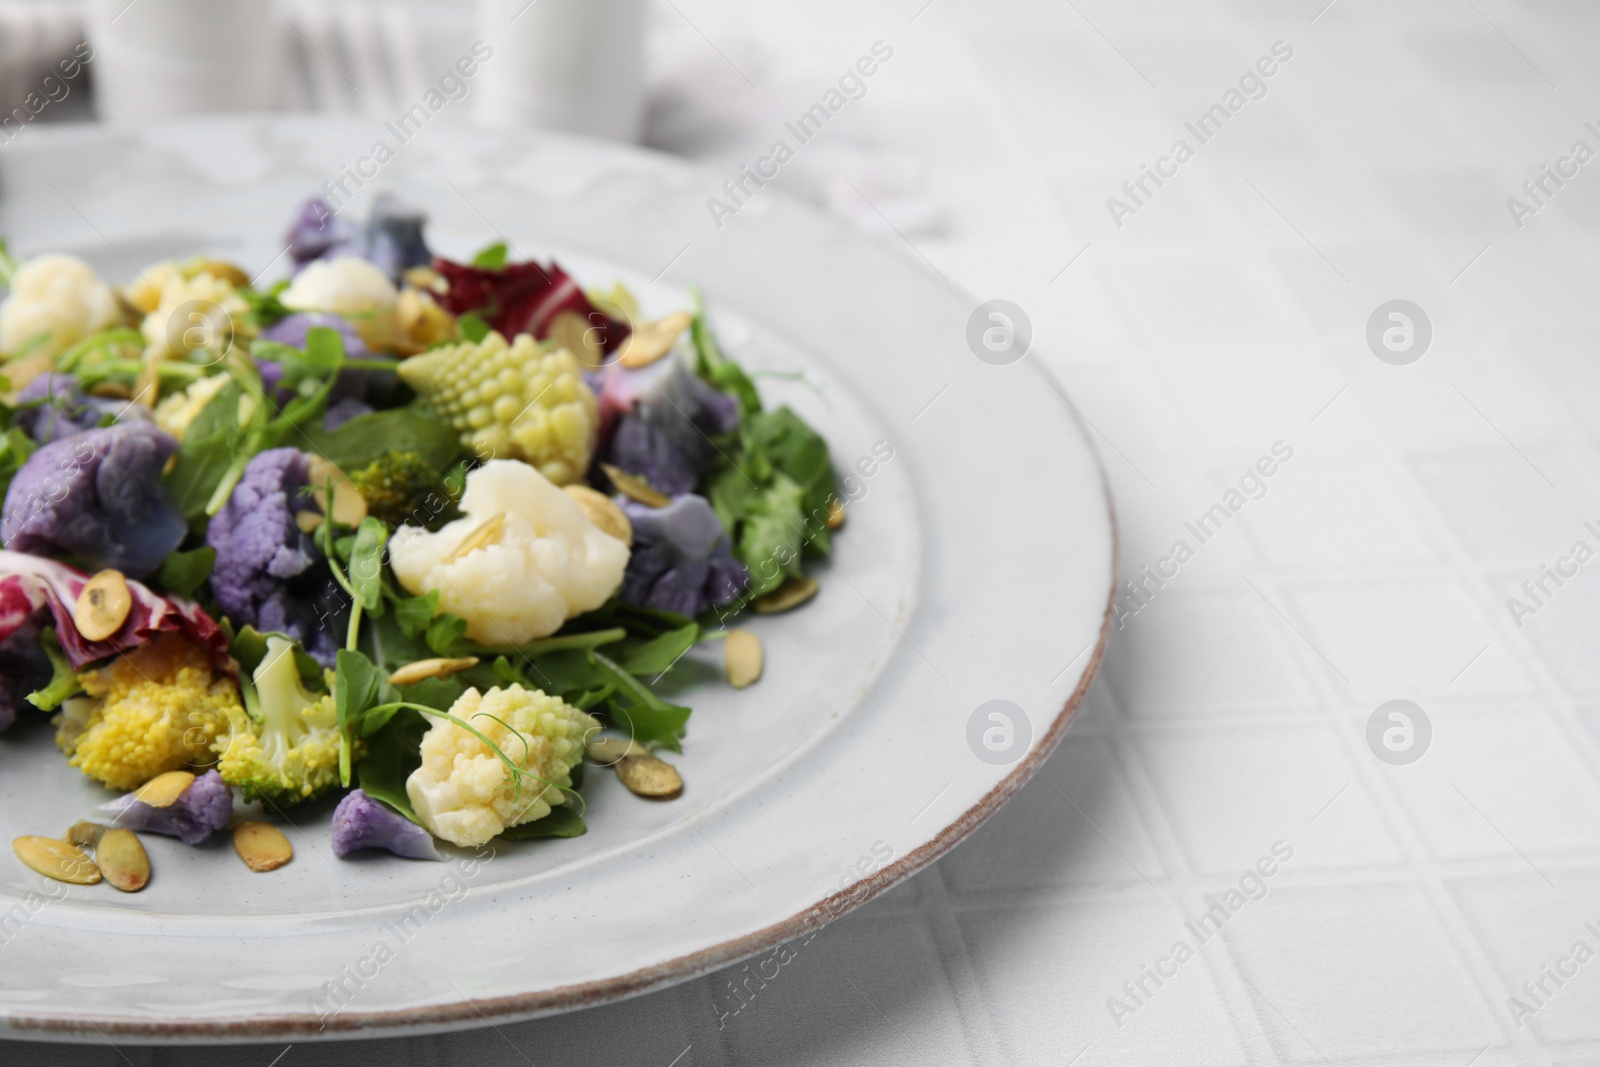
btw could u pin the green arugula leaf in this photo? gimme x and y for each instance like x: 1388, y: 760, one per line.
x: 639, y: 711
x: 493, y: 257
x: 656, y: 655
x: 15, y: 449
x: 445, y: 634
x: 392, y: 754
x: 414, y: 613
x: 366, y: 564
x: 472, y: 326
x: 205, y: 454
x: 562, y: 821
x: 437, y: 693
x: 360, y: 441
x: 355, y: 689
x: 716, y: 368
x: 324, y: 349
x: 183, y: 573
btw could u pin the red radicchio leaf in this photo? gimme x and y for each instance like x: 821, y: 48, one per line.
x: 28, y: 583
x: 523, y: 298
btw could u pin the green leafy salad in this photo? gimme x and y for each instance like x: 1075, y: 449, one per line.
x: 424, y: 536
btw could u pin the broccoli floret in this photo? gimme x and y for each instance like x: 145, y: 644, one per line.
x: 200, y: 811
x: 159, y: 708
x: 359, y: 822
x: 400, y: 488
x: 97, y: 495
x: 286, y: 749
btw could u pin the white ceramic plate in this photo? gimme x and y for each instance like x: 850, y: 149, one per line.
x: 977, y: 565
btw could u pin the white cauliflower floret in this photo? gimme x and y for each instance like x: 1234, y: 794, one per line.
x: 354, y: 289
x: 346, y: 285
x: 534, y: 561
x: 465, y: 794
x: 56, y: 295
x: 202, y: 326
x: 177, y: 412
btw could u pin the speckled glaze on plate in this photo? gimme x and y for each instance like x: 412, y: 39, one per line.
x: 977, y: 564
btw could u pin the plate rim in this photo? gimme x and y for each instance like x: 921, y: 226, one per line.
x: 512, y: 1007
x: 517, y: 1007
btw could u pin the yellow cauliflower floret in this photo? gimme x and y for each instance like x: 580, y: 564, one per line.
x: 465, y: 794
x: 177, y: 412
x: 535, y: 559
x: 59, y: 296
x: 212, y: 312
x: 512, y: 401
x: 159, y: 708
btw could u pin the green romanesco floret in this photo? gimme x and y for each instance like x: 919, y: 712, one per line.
x: 159, y: 708
x: 286, y: 749
x: 511, y: 401
x: 463, y: 791
x: 400, y: 488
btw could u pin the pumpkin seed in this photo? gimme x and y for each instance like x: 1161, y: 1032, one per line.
x: 122, y: 859
x: 349, y: 506
x: 634, y: 487
x: 426, y: 278
x: 224, y: 271
x: 573, y: 332
x: 84, y: 834
x: 482, y: 535
x: 103, y: 605
x: 163, y: 790
x: 835, y: 513
x: 422, y: 669
x: 111, y: 390
x: 742, y: 658
x: 603, y: 512
x: 648, y: 776
x: 608, y: 751
x: 791, y: 594
x: 262, y: 846
x: 652, y: 340
x: 56, y: 859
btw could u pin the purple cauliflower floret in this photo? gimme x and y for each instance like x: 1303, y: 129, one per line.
x: 268, y: 573
x: 24, y: 667
x: 53, y: 406
x: 391, y: 239
x: 681, y: 559
x: 97, y: 495
x: 664, y: 414
x: 342, y: 411
x: 360, y: 822
x: 200, y: 811
x: 292, y: 331
x: 317, y: 231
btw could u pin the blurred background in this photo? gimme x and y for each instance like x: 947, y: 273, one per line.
x: 629, y: 70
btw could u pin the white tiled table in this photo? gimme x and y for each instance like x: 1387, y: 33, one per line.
x: 1226, y: 315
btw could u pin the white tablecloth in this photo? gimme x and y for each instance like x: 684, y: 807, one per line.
x: 1221, y: 330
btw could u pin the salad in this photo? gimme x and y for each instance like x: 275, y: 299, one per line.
x: 420, y: 535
